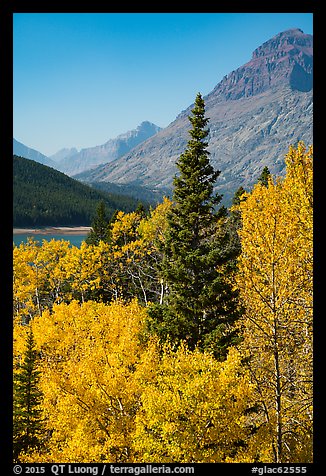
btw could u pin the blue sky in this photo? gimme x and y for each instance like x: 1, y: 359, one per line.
x: 81, y: 79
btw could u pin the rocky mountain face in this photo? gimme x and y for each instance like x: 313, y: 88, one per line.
x: 285, y: 59
x: 63, y: 154
x: 22, y: 150
x: 91, y: 157
x: 255, y: 113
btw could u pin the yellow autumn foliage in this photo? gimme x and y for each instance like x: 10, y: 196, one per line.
x: 194, y: 410
x: 109, y: 396
x: 275, y: 282
x: 38, y: 276
x: 90, y: 359
x: 112, y: 394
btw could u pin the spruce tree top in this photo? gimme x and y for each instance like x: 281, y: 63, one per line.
x: 99, y: 231
x: 199, y: 304
x: 196, y: 181
x: 264, y: 177
x: 192, y: 219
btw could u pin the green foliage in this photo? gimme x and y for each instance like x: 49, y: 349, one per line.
x: 264, y: 177
x: 27, y: 416
x: 100, y: 226
x: 200, y: 305
x: 238, y: 196
x: 146, y: 195
x: 43, y: 196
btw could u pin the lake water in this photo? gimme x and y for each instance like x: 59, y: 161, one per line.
x: 75, y: 240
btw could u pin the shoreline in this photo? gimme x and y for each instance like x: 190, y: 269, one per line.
x: 53, y: 230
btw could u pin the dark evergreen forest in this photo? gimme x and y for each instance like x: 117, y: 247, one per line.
x: 45, y: 197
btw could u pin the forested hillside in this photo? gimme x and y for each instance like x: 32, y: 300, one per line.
x: 143, y: 194
x: 183, y: 336
x: 44, y: 196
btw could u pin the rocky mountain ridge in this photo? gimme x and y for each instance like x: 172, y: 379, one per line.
x: 23, y: 150
x: 71, y: 161
x: 91, y: 157
x: 255, y: 113
x: 63, y: 154
x: 287, y: 57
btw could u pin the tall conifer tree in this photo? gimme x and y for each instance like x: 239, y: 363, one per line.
x: 264, y: 176
x: 200, y: 305
x: 100, y: 230
x: 27, y: 418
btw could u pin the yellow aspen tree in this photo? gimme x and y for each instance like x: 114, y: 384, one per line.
x: 25, y: 281
x: 152, y: 233
x: 194, y: 410
x: 92, y: 368
x: 50, y: 260
x: 37, y: 281
x: 134, y: 243
x: 108, y: 396
x: 81, y: 267
x: 275, y: 282
x: 152, y: 229
x: 124, y: 228
x: 108, y: 273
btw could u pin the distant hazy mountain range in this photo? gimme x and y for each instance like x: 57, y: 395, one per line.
x: 62, y: 154
x: 255, y: 113
x: 32, y: 154
x: 71, y: 162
